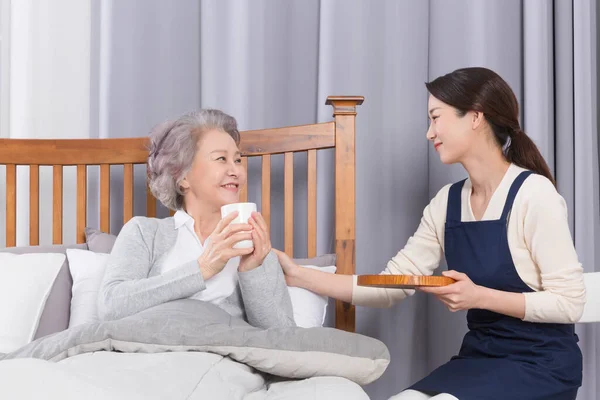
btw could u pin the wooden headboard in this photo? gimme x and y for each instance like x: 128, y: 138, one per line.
x: 338, y: 134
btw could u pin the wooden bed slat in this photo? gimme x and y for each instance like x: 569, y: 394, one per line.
x: 266, y: 190
x: 244, y: 191
x: 150, y: 203
x: 34, y: 205
x: 57, y: 204
x: 312, y: 203
x: 11, y: 205
x: 288, y: 203
x: 81, y: 202
x: 127, y: 192
x: 105, y: 198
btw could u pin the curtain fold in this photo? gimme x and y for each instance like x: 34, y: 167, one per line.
x: 586, y: 180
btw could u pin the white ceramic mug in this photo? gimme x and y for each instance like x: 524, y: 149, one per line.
x: 245, y: 211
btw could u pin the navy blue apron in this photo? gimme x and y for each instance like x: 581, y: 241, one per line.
x: 501, y: 357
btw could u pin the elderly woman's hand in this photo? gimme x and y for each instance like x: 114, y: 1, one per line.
x: 262, y: 243
x: 220, y: 248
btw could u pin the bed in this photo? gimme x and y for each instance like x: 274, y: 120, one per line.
x: 168, y: 351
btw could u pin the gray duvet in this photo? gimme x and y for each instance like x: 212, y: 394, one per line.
x: 215, y: 353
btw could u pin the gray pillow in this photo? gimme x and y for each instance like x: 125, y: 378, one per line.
x: 100, y: 242
x: 55, y: 317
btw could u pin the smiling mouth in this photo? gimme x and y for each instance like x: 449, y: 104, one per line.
x: 437, y: 145
x: 233, y: 187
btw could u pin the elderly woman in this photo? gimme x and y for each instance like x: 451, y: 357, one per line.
x: 194, y: 167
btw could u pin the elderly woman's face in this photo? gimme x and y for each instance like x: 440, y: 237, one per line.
x: 217, y: 173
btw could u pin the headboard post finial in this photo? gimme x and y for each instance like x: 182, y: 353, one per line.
x: 344, y: 105
x: 344, y: 112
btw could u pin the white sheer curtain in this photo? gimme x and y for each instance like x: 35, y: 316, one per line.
x: 45, y: 89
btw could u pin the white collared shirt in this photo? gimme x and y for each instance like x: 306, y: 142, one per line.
x: 187, y: 248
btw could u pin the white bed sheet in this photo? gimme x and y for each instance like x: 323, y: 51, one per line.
x: 172, y: 375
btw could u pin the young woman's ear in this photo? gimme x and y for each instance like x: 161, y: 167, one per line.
x: 477, y: 119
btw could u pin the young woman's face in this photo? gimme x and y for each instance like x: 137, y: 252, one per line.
x: 451, y: 134
x: 217, y: 174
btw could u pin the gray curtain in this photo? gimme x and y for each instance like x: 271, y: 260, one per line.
x: 547, y: 51
x: 272, y: 63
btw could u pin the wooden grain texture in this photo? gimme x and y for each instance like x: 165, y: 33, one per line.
x: 288, y: 139
x: 11, y: 205
x: 81, y: 202
x: 403, y: 281
x: 105, y: 198
x: 127, y: 192
x: 288, y: 203
x: 266, y: 190
x: 344, y: 113
x: 312, y: 203
x: 150, y: 203
x: 344, y: 105
x: 34, y: 205
x: 134, y: 150
x: 244, y: 190
x: 73, y: 151
x: 57, y: 204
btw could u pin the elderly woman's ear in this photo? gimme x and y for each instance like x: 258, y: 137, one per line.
x: 184, y: 185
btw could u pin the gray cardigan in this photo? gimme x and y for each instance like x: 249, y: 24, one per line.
x: 132, y: 281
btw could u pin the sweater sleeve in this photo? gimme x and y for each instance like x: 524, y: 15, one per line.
x: 547, y: 235
x: 265, y: 295
x: 126, y: 288
x: 420, y: 256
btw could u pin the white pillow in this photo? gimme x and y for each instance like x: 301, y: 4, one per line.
x: 309, y: 307
x: 25, y: 283
x: 87, y: 269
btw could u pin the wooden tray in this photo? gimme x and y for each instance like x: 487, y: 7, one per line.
x: 403, y: 281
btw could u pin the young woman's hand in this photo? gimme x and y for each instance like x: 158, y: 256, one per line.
x: 290, y: 268
x: 220, y: 249
x: 262, y: 243
x: 461, y: 295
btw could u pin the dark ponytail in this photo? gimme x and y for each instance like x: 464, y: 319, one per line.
x: 480, y: 89
x: 524, y: 153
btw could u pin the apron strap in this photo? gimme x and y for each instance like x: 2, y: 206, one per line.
x: 512, y: 193
x: 453, y: 211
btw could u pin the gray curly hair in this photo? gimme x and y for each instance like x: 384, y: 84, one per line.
x: 172, y: 149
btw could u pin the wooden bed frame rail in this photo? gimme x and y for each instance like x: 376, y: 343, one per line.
x: 338, y: 134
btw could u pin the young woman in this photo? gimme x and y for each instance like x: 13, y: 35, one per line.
x: 505, y: 236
